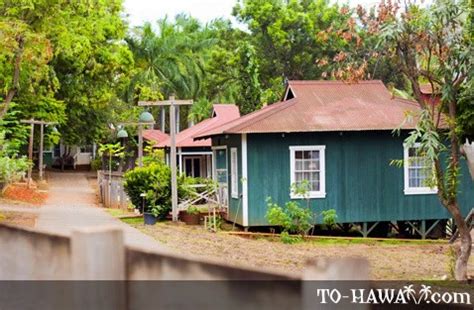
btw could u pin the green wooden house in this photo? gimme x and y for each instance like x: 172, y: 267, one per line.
x: 339, y: 138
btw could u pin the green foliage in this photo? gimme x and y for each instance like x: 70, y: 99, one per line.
x: 249, y: 98
x: 286, y: 238
x: 291, y: 217
x: 96, y: 163
x: 74, y: 62
x: 296, y: 219
x: 12, y: 168
x: 111, y: 150
x: 329, y: 217
x: 284, y: 34
x: 153, y: 155
x: 193, y: 210
x: 200, y: 110
x: 154, y: 181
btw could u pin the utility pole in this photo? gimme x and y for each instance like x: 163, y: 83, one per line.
x: 32, y: 123
x: 172, y: 103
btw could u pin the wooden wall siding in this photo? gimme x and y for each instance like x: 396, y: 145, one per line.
x: 235, y: 205
x: 360, y: 183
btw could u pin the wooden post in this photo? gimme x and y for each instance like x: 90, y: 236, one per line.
x: 180, y: 155
x: 163, y: 119
x: 30, y: 152
x: 140, y: 145
x: 177, y: 119
x: 40, y: 163
x: 172, y: 103
x: 32, y: 123
x: 174, y: 181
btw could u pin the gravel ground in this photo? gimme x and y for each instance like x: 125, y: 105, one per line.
x: 388, y: 260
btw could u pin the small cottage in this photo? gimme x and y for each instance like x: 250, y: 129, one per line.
x: 339, y: 137
x: 194, y: 157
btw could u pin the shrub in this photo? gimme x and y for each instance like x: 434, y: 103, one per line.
x: 154, y: 180
x: 12, y: 168
x: 292, y: 218
x: 296, y: 219
x: 193, y: 210
x: 285, y: 237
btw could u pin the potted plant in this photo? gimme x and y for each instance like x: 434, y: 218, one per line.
x: 191, y: 216
x: 150, y: 217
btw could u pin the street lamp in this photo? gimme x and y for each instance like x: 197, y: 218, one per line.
x: 122, y: 134
x: 145, y: 119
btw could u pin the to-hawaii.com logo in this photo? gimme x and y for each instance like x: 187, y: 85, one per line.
x: 406, y: 295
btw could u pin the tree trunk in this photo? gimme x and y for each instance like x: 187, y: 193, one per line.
x: 16, y: 76
x: 460, y: 272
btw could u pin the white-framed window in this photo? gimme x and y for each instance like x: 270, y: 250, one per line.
x: 418, y: 169
x: 234, y: 173
x: 308, y: 163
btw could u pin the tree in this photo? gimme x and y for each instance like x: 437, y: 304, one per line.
x: 434, y: 46
x: 25, y: 49
x: 283, y: 33
x: 250, y: 91
x: 63, y: 61
x: 170, y: 60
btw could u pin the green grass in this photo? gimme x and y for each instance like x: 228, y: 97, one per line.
x: 329, y: 241
x: 340, y: 241
x: 133, y: 220
x: 118, y: 212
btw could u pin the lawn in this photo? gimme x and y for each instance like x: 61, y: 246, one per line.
x: 389, y: 260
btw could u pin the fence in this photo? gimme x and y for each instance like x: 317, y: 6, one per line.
x: 111, y: 192
x: 100, y: 254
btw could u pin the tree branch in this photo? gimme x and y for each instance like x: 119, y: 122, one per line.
x: 16, y: 76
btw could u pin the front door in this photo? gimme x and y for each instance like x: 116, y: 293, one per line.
x: 220, y: 174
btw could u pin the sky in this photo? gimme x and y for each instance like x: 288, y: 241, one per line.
x: 140, y: 11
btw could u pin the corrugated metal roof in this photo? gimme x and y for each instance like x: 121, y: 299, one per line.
x: 327, y: 106
x: 222, y: 113
x: 154, y: 135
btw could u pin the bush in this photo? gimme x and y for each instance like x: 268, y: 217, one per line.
x: 12, y: 168
x: 286, y: 238
x: 292, y: 218
x: 154, y: 180
x: 296, y: 219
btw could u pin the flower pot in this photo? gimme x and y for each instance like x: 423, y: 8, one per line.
x: 189, y: 219
x: 149, y: 219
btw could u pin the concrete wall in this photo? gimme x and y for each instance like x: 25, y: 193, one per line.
x: 29, y: 255
x: 100, y: 254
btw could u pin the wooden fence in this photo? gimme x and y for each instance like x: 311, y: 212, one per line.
x: 111, y: 192
x: 100, y: 254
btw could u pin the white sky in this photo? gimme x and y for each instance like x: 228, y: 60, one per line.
x: 140, y: 11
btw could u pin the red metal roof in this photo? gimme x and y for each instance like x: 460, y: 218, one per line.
x: 222, y: 113
x: 154, y: 135
x: 327, y: 106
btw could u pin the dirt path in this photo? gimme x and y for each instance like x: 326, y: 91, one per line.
x: 72, y: 203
